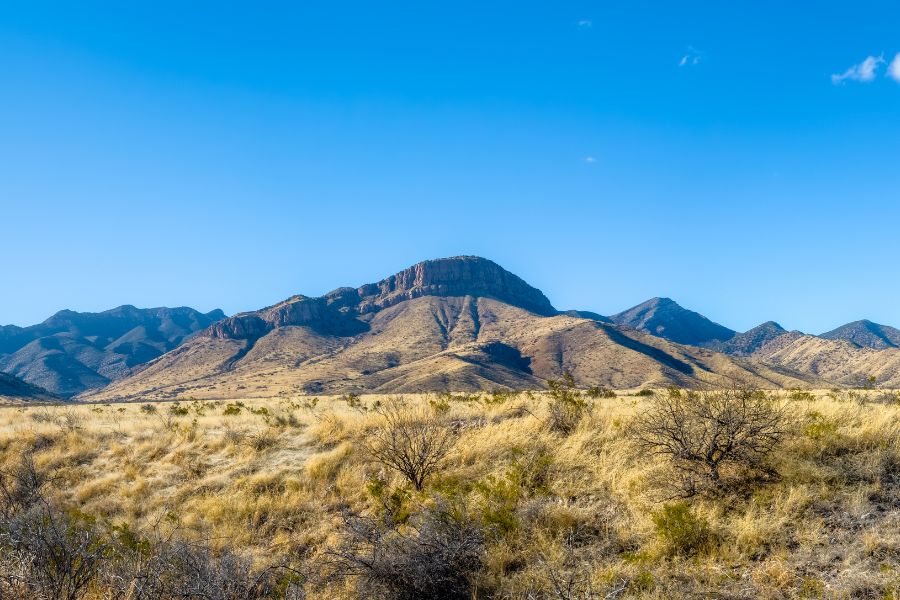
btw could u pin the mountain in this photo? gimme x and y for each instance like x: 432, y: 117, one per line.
x: 866, y: 334
x: 586, y: 314
x: 745, y: 344
x: 839, y: 361
x: 665, y: 318
x: 72, y: 352
x: 461, y: 324
x: 13, y: 389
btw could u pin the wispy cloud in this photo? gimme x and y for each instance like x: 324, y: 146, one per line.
x: 864, y: 71
x: 585, y: 23
x: 691, y: 58
x: 894, y: 69
x: 590, y: 160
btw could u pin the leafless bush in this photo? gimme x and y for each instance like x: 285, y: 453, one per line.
x: 713, y: 439
x: 411, y: 441
x: 436, y: 556
x: 70, y: 421
x: 169, y: 570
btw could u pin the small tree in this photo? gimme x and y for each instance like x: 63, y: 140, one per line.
x: 712, y: 439
x: 411, y: 441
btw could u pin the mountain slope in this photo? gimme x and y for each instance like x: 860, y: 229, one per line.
x: 665, y: 318
x: 71, y: 352
x: 745, y: 344
x: 866, y: 334
x: 453, y: 324
x: 13, y: 389
x: 839, y: 361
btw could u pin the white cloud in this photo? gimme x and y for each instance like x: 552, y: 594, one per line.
x: 585, y: 23
x: 894, y: 69
x: 692, y: 58
x: 590, y: 160
x: 864, y: 71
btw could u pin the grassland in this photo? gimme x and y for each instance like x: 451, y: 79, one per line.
x: 549, y: 514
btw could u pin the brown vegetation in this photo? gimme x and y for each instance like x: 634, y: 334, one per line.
x: 285, y: 499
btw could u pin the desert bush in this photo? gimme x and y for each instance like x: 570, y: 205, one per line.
x: 411, y: 441
x: 644, y: 393
x: 232, y: 409
x: 567, y: 404
x: 713, y: 439
x: 353, y: 400
x: 148, y: 408
x: 682, y: 531
x: 70, y: 421
x: 597, y: 391
x: 436, y: 555
x: 177, y: 410
x: 802, y: 396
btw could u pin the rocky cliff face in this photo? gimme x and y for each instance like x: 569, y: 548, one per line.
x: 342, y: 311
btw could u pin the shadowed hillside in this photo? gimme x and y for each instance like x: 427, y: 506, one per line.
x: 72, y: 352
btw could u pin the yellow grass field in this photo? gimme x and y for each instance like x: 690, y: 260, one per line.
x: 564, y: 515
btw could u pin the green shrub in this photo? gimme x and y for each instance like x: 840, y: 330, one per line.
x: 596, y: 391
x: 148, y: 408
x: 802, y: 395
x: 232, y: 408
x: 176, y: 409
x: 352, y: 400
x: 682, y: 532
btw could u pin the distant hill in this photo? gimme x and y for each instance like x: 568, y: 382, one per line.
x: 13, y: 389
x: 866, y: 334
x: 665, y: 318
x: 745, y: 344
x: 461, y: 324
x: 72, y: 352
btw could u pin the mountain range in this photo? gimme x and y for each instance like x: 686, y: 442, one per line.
x: 72, y: 352
x: 461, y: 323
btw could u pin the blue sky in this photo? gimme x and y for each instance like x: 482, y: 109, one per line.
x: 739, y: 157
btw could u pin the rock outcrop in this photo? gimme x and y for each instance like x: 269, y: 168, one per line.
x: 338, y: 312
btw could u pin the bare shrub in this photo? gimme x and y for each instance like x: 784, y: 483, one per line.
x: 262, y: 439
x: 435, y: 555
x: 567, y: 404
x: 411, y: 441
x: 713, y: 439
x: 70, y: 421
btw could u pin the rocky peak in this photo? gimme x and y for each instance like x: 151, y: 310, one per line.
x: 456, y: 276
x: 745, y: 344
x: 866, y: 334
x: 665, y: 318
x: 336, y: 312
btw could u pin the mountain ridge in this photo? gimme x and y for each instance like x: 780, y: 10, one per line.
x: 460, y: 324
x: 71, y: 352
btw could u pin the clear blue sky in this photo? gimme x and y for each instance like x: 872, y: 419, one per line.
x: 740, y: 157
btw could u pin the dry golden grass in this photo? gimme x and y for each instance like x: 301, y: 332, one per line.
x: 272, y: 479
